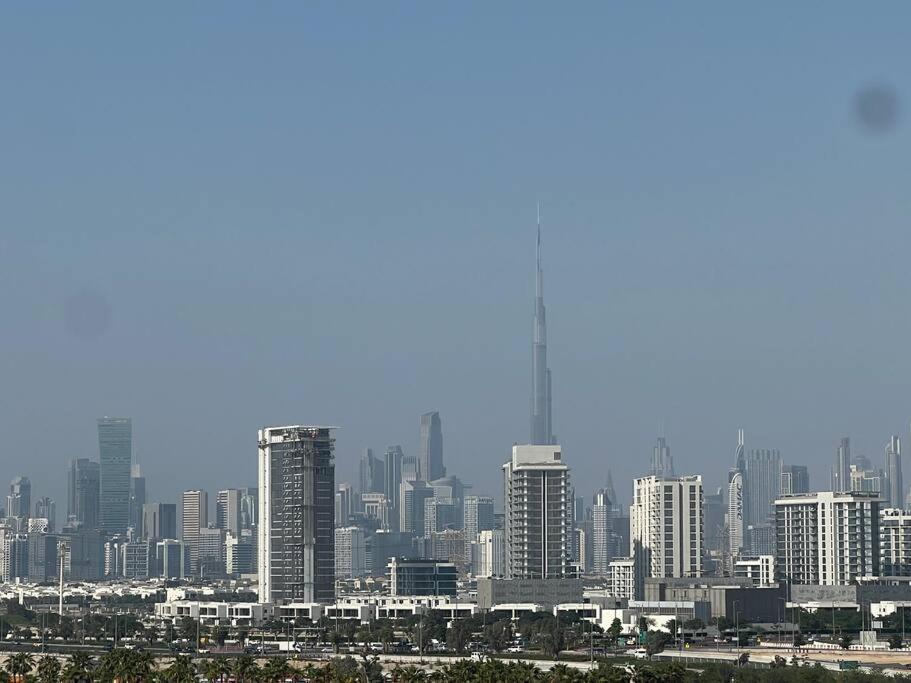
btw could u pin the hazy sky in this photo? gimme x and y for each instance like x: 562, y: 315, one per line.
x: 219, y: 216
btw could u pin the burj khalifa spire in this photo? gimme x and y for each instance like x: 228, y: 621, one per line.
x: 541, y: 425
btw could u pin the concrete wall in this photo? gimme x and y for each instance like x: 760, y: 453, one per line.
x: 547, y: 592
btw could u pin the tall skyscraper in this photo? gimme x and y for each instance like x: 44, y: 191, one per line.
x: 541, y: 384
x: 538, y: 513
x: 159, y: 521
x: 601, y: 529
x: 411, y: 468
x: 666, y: 527
x: 431, y: 453
x: 842, y: 472
x: 662, y: 462
x: 249, y: 507
x: 713, y: 516
x: 895, y: 490
x: 296, y: 514
x: 350, y: 553
x: 761, y: 486
x: 794, y: 479
x: 227, y: 510
x: 735, y: 512
x: 47, y: 508
x: 372, y: 473
x: 871, y: 481
x: 137, y: 498
x: 115, y: 448
x: 19, y: 500
x: 393, y: 482
x: 477, y: 515
x: 195, y: 516
x: 412, y: 497
x: 84, y: 482
x: 828, y: 538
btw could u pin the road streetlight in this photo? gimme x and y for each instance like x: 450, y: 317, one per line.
x: 737, y: 625
x: 784, y: 615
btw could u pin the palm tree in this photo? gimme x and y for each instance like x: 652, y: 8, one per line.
x: 78, y: 668
x: 410, y: 674
x: 141, y: 665
x: 561, y: 673
x: 20, y: 665
x: 387, y: 636
x: 183, y: 670
x: 277, y: 669
x: 215, y: 669
x: 245, y: 669
x: 49, y: 669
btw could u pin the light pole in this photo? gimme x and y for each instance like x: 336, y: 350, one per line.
x: 903, y: 625
x: 737, y: 626
x: 784, y: 615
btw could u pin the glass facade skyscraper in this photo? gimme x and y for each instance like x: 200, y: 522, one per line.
x: 115, y: 450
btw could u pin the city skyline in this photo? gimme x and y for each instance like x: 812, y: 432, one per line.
x: 695, y: 252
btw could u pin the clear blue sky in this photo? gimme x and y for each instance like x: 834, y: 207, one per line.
x: 220, y: 216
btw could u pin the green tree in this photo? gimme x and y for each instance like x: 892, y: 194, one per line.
x: 336, y: 639
x: 220, y: 635
x: 799, y: 639
x: 457, y: 635
x: 372, y: 668
x: 244, y: 669
x: 125, y: 666
x: 387, y: 636
x: 216, y: 669
x: 276, y: 669
x: 845, y: 641
x: 655, y: 642
x: 408, y: 674
x: 49, y: 669
x: 672, y: 627
x: 20, y: 665
x: 498, y: 634
x: 551, y: 636
x: 895, y: 641
x: 723, y: 624
x: 78, y: 668
x: 187, y: 628
x: 182, y: 670
x: 66, y: 629
x: 614, y: 631
x: 561, y: 673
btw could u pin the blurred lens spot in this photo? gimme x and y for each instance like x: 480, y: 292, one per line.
x: 87, y: 314
x: 876, y: 108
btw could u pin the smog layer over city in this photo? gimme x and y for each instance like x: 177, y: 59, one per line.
x: 555, y: 304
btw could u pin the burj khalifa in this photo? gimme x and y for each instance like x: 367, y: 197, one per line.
x: 541, y: 397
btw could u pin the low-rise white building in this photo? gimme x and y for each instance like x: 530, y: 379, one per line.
x: 759, y: 569
x: 213, y: 613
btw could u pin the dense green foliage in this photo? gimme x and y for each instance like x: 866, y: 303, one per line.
x: 132, y: 666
